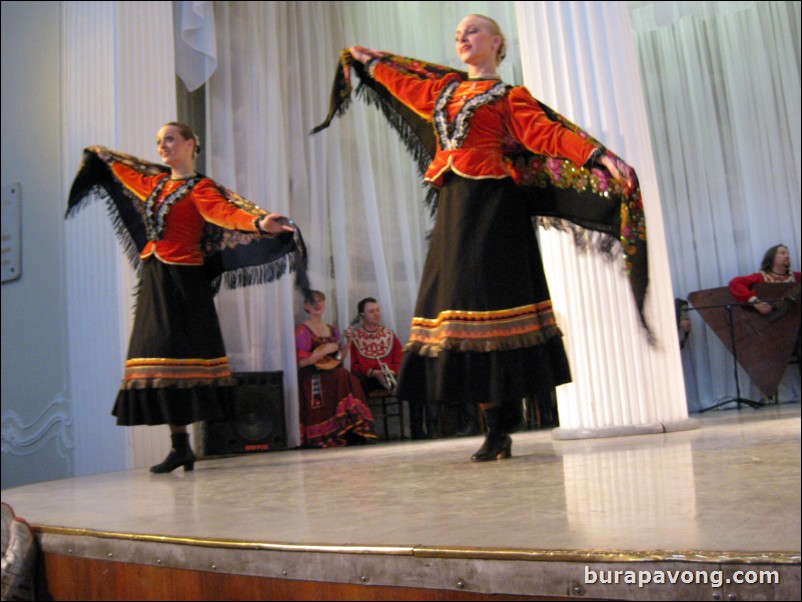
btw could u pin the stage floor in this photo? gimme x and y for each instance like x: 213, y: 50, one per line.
x: 726, y: 493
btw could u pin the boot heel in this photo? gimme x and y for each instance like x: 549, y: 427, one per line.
x: 493, y: 450
x: 506, y: 451
x: 181, y: 454
x: 497, y: 444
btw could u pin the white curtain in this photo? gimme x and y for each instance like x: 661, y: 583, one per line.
x: 112, y: 52
x: 353, y: 189
x: 195, y: 43
x: 728, y: 192
x: 621, y: 383
x: 723, y: 90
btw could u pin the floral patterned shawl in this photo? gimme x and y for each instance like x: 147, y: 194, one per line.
x: 603, y: 213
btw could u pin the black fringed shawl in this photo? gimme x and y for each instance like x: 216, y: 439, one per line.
x: 598, y: 209
x: 231, y: 257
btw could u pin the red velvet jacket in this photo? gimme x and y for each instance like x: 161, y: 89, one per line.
x: 184, y: 221
x: 508, y: 112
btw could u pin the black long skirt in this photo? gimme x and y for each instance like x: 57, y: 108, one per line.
x: 484, y: 330
x: 177, y: 371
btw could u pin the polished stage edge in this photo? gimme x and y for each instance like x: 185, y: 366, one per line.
x: 589, y: 556
x: 725, y: 493
x: 95, y: 568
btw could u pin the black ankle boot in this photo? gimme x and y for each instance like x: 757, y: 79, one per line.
x: 416, y: 421
x: 470, y: 421
x: 180, y: 455
x: 432, y: 421
x: 497, y: 444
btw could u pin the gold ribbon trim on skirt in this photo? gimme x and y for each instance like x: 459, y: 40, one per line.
x: 166, y: 372
x: 498, y: 330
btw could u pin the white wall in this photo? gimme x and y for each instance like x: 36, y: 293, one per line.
x: 37, y: 437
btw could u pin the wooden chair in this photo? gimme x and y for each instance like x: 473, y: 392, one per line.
x: 384, y: 406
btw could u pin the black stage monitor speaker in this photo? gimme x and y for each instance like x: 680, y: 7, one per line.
x: 258, y: 423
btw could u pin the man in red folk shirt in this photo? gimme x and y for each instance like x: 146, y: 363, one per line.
x: 375, y: 360
x: 375, y: 349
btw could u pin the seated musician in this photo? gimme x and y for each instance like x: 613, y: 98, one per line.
x: 375, y: 349
x: 775, y: 268
x: 375, y: 359
x: 333, y: 412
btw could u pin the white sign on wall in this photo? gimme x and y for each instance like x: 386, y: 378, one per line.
x: 12, y: 232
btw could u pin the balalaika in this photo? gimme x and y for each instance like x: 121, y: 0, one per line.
x: 332, y: 360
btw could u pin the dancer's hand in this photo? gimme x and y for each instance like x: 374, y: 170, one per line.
x: 275, y: 223
x: 363, y: 55
x: 611, y: 167
x: 101, y: 152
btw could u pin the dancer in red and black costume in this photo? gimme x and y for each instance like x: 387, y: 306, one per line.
x: 177, y: 222
x: 484, y: 329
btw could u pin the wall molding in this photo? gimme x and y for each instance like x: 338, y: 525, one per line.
x: 54, y: 423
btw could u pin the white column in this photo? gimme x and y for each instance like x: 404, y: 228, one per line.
x: 117, y: 88
x: 580, y: 59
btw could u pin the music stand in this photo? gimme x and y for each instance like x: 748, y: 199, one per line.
x: 737, y: 399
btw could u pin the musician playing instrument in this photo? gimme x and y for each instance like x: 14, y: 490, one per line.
x: 375, y: 349
x: 775, y: 268
x: 333, y: 412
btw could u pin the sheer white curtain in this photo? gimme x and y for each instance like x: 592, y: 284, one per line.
x: 723, y: 90
x: 353, y: 189
x: 111, y: 53
x: 580, y: 57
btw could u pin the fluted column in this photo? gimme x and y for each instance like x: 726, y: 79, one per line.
x: 580, y: 58
x: 117, y: 88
